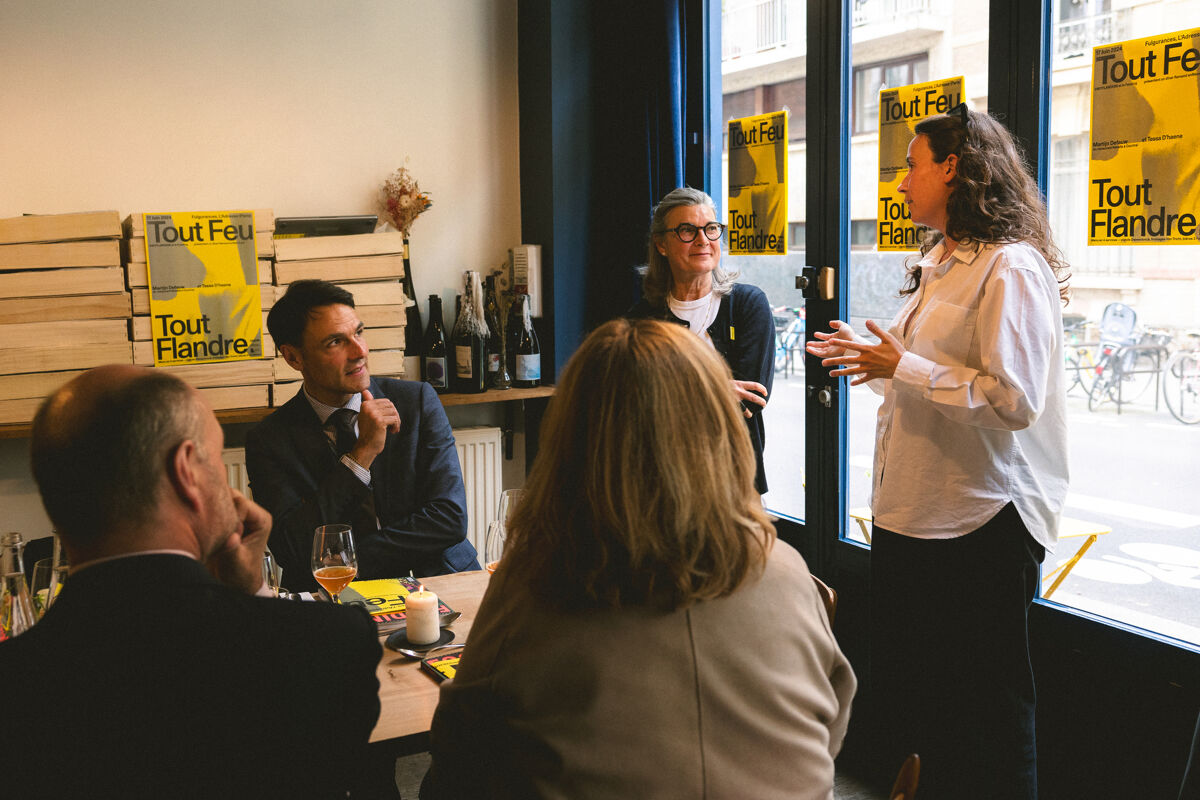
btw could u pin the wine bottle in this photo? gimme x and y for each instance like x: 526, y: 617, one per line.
x: 433, y: 349
x: 512, y: 332
x: 491, y: 317
x: 529, y: 353
x: 470, y: 338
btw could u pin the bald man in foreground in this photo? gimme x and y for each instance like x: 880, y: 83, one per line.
x: 158, y: 672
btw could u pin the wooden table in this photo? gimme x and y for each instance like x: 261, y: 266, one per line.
x: 407, y: 694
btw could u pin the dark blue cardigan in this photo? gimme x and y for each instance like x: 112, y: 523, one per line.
x: 744, y: 334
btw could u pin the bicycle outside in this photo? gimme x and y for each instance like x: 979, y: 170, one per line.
x: 789, y: 339
x: 1128, y: 360
x: 1181, y: 381
x: 1080, y: 340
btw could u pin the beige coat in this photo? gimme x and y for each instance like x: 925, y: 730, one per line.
x: 743, y: 697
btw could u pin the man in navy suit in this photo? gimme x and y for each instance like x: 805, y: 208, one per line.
x: 158, y: 672
x: 376, y: 453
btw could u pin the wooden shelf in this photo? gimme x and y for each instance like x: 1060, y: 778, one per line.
x: 495, y: 396
x: 21, y: 430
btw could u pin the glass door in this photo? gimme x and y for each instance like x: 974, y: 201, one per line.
x: 892, y: 45
x: 763, y: 69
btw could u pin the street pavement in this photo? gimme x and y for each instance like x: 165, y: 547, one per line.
x: 1136, y: 472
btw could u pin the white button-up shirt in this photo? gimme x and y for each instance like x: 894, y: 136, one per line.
x: 975, y: 415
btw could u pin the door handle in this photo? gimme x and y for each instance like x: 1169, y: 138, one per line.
x: 816, y: 283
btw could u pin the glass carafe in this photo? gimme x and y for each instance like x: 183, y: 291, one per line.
x: 16, y: 609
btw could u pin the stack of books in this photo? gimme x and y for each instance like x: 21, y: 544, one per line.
x: 64, y: 307
x: 225, y: 385
x: 369, y: 266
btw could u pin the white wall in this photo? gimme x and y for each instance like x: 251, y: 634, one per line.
x: 302, y: 106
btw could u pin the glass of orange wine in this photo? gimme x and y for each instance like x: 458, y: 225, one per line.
x: 334, y: 562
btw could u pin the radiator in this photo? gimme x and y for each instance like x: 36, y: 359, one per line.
x: 235, y: 468
x: 479, y: 453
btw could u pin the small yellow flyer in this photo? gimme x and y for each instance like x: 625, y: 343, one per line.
x: 205, y: 304
x: 758, y: 184
x: 1144, y: 173
x: 900, y: 109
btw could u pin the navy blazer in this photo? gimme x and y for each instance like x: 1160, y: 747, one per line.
x: 149, y: 679
x: 416, y: 485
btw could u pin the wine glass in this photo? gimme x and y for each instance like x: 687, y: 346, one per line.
x: 493, y: 546
x: 272, y: 573
x: 334, y: 562
x: 508, y: 501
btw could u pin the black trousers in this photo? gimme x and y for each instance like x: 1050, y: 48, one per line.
x: 950, y: 669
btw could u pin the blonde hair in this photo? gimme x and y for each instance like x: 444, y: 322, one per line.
x: 643, y: 490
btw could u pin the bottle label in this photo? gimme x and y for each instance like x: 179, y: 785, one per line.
x: 529, y: 368
x: 462, y: 361
x: 435, y: 372
x: 493, y: 362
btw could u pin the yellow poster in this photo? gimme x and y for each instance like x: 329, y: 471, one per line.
x: 1144, y: 175
x: 900, y: 109
x: 758, y: 189
x: 204, y: 300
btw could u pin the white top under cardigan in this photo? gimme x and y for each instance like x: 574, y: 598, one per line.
x: 975, y: 415
x: 699, y: 314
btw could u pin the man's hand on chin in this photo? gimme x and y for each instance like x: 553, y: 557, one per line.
x: 238, y: 564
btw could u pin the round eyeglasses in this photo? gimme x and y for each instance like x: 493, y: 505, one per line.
x: 687, y: 232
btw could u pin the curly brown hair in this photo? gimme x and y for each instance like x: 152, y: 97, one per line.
x: 994, y: 199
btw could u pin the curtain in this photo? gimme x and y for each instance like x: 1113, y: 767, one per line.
x: 644, y: 80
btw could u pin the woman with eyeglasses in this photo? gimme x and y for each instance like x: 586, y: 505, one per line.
x: 683, y: 283
x: 970, y: 471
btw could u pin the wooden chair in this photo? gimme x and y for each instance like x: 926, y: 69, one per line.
x: 905, y: 787
x: 828, y: 597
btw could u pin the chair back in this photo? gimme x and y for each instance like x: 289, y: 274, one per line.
x: 905, y: 787
x: 1117, y: 324
x: 828, y: 597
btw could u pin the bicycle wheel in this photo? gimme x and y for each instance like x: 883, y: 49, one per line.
x: 1085, y: 368
x: 781, y: 355
x: 1081, y: 369
x: 1137, y: 375
x: 1181, y: 387
x: 1104, y: 387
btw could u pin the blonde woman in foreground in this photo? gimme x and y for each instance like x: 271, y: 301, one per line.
x: 645, y: 634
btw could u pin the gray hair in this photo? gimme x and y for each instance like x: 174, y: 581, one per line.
x: 656, y: 272
x: 99, y: 460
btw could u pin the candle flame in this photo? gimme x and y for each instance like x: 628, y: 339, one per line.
x: 420, y: 587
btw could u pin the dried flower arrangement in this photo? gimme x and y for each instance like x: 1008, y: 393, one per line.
x: 402, y: 200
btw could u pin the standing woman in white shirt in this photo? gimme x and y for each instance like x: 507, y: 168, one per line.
x: 970, y: 468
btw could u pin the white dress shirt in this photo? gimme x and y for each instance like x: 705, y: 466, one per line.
x: 975, y: 415
x: 324, y: 412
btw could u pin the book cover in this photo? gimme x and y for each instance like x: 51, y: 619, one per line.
x: 204, y: 287
x: 441, y: 667
x: 384, y: 600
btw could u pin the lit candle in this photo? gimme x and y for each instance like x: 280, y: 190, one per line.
x: 421, y: 613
